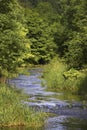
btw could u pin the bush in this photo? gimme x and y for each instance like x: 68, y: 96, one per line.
x: 53, y: 73
x: 58, y: 77
x: 73, y: 79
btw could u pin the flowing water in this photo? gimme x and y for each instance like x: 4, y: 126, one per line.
x: 69, y: 111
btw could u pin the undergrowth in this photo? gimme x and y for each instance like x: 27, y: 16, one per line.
x: 14, y: 113
x: 59, y: 77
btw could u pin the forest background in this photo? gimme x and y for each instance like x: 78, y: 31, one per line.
x: 37, y: 31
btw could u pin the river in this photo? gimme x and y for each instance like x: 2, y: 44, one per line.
x: 70, y: 111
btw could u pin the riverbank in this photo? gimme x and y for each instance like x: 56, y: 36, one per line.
x: 61, y: 78
x: 14, y: 113
x: 62, y: 106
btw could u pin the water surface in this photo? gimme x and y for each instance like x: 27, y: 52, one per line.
x: 70, y: 111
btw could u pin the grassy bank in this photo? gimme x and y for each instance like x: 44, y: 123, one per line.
x: 14, y: 113
x: 59, y: 77
x: 53, y: 74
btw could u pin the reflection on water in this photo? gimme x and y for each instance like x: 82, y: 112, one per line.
x: 57, y: 123
x: 71, y: 110
x: 21, y: 128
x: 66, y: 123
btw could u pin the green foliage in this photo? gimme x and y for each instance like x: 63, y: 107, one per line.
x: 67, y: 23
x: 73, y: 79
x: 47, y: 12
x: 14, y: 113
x: 83, y: 86
x: 13, y: 41
x: 58, y: 78
x: 75, y: 55
x: 75, y: 24
x: 39, y: 33
x: 40, y: 30
x: 53, y: 75
x: 63, y: 22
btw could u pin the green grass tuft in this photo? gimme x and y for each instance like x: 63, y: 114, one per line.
x: 14, y: 113
x: 58, y: 78
x: 53, y: 74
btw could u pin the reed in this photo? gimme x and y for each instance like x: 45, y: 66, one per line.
x: 53, y: 74
x: 59, y: 77
x: 15, y: 113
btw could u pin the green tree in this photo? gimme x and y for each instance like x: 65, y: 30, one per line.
x: 74, y: 39
x: 47, y: 12
x: 39, y: 33
x: 66, y: 22
x: 13, y: 41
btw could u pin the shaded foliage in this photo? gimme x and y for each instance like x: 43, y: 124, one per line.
x: 37, y: 30
x: 40, y: 36
x: 12, y: 37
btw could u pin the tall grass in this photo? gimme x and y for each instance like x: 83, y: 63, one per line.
x: 59, y: 77
x: 14, y: 113
x: 73, y: 79
x: 53, y: 74
x: 83, y: 86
